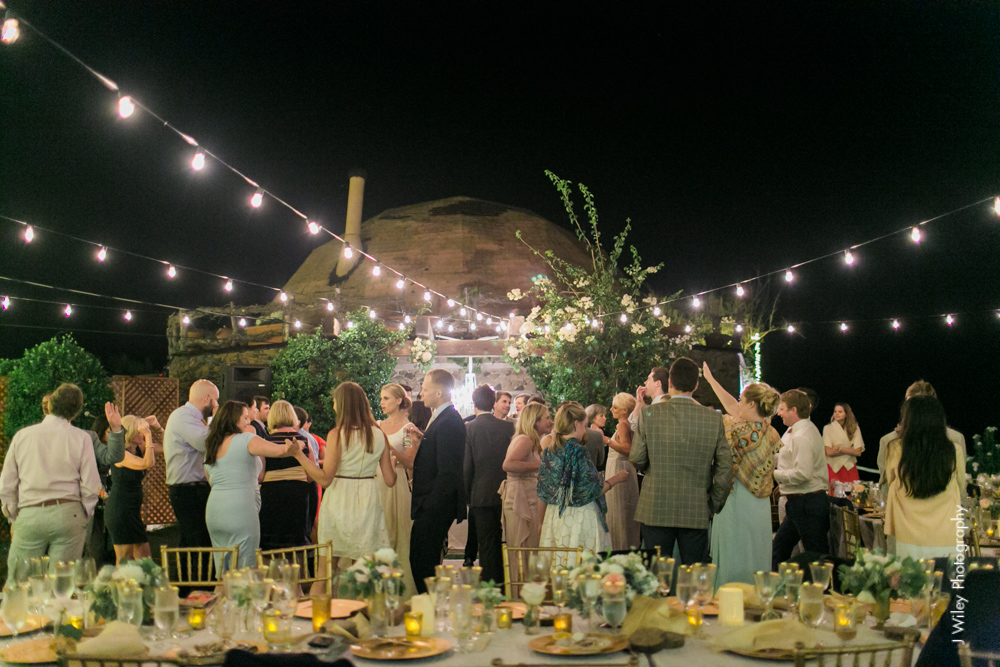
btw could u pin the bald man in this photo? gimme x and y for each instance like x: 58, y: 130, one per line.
x: 184, y: 451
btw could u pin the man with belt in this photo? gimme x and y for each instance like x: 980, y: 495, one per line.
x: 184, y: 451
x: 49, y: 484
x: 803, y: 479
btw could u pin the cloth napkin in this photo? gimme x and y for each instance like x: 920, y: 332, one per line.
x: 655, y: 613
x: 117, y: 640
x: 901, y: 619
x: 780, y: 634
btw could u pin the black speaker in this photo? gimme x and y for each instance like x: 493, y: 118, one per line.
x: 244, y: 381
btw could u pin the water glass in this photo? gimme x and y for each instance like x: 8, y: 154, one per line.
x: 560, y: 587
x: 613, y: 608
x: 685, y: 586
x: 274, y: 568
x: 14, y: 607
x: 290, y: 575
x: 822, y: 573
x: 792, y: 579
x: 442, y: 589
x: 767, y: 587
x: 462, y: 623
x: 277, y: 630
x: 63, y: 580
x: 260, y: 593
x: 665, y: 573
x: 591, y: 593
x: 393, y: 586
x: 538, y: 567
x: 166, y: 610
x: 811, y: 604
x: 130, y: 604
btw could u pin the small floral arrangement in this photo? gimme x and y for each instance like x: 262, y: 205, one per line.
x: 626, y: 570
x: 985, y: 458
x: 878, y: 578
x: 142, y: 572
x: 422, y: 351
x: 490, y: 595
x: 363, y: 579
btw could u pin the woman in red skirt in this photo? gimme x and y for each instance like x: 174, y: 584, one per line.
x: 844, y: 445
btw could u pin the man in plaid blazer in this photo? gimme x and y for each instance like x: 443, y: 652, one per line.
x: 682, y: 447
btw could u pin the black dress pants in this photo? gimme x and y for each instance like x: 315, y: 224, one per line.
x: 807, y: 518
x: 188, y: 502
x: 471, y: 542
x: 489, y: 532
x: 691, y: 542
x: 428, y: 535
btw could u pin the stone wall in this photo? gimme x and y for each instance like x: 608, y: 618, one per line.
x: 212, y: 365
x: 725, y: 365
x: 493, y: 372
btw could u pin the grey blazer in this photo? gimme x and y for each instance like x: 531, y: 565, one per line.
x: 682, y: 447
x: 486, y: 442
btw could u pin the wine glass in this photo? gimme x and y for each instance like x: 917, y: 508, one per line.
x: 538, y: 567
x: 811, y: 604
x: 166, y: 610
x: 767, y: 588
x: 393, y: 583
x: 41, y: 590
x: 560, y: 586
x: 290, y: 575
x: 63, y: 581
x: 260, y: 592
x: 224, y: 621
x: 791, y: 577
x: 14, y: 607
x: 274, y: 568
x: 613, y: 608
x: 442, y: 590
x: 822, y: 573
x: 22, y: 570
x: 84, y: 573
x: 665, y: 573
x: 591, y: 593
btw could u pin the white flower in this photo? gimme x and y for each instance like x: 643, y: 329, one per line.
x: 627, y: 300
x: 130, y: 571
x: 866, y: 597
x: 533, y: 594
x: 515, y: 295
x: 512, y: 352
x: 385, y: 555
x: 426, y: 356
x: 638, y: 328
x: 652, y: 269
x: 383, y: 569
x: 613, y: 568
x: 361, y: 577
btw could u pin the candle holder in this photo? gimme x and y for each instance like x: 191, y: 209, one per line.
x: 320, y: 611
x: 277, y: 630
x: 505, y: 618
x: 563, y: 622
x: 845, y: 622
x: 196, y: 618
x: 413, y: 621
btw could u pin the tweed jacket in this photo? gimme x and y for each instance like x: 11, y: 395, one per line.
x: 437, y: 468
x: 486, y: 442
x: 682, y: 447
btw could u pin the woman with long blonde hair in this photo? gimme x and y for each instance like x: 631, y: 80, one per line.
x: 351, y: 516
x: 519, y: 490
x: 123, y: 511
x: 397, y: 499
x: 624, y: 498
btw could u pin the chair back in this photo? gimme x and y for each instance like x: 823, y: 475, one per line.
x: 852, y: 530
x: 315, y: 563
x: 972, y: 539
x: 197, y: 566
x: 515, y: 565
x: 970, y: 658
x: 842, y: 656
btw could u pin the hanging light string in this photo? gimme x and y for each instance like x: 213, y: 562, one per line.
x: 74, y: 330
x: 848, y: 254
x: 949, y: 319
x: 127, y: 105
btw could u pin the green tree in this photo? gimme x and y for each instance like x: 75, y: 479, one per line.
x: 312, y: 365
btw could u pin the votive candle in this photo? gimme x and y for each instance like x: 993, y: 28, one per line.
x: 505, y: 618
x: 730, y: 605
x: 563, y: 622
x: 196, y: 618
x: 413, y: 621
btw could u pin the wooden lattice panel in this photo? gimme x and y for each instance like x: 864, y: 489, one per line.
x: 144, y: 396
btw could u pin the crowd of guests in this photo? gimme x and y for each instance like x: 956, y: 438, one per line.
x: 250, y: 473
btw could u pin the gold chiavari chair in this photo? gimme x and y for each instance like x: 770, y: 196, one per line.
x: 852, y: 530
x: 315, y: 563
x: 196, y: 566
x: 856, y: 656
x: 966, y: 656
x: 515, y: 564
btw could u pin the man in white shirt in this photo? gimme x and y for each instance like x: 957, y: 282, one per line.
x: 184, y: 452
x: 803, y: 479
x: 49, y: 484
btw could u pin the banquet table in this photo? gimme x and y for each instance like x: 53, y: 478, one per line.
x: 511, y: 646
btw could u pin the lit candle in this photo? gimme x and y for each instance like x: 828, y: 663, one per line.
x: 413, y: 621
x: 563, y: 622
x: 730, y: 605
x: 424, y: 605
x: 196, y: 618
x: 505, y: 618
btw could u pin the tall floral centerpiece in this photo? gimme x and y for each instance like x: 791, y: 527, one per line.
x: 143, y: 572
x: 628, y: 569
x: 370, y: 578
x: 875, y: 579
x: 422, y: 351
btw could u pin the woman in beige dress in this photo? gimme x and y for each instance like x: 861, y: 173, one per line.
x: 623, y: 498
x: 396, y: 499
x: 520, y: 490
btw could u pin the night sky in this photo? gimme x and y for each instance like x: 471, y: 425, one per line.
x: 738, y: 137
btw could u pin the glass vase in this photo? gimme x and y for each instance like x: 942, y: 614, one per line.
x: 880, y: 610
x: 487, y: 621
x: 378, y: 616
x: 532, y: 618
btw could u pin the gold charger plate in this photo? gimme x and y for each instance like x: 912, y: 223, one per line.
x: 33, y: 623
x: 778, y: 654
x: 338, y: 608
x: 31, y: 652
x: 400, y: 648
x: 548, y: 644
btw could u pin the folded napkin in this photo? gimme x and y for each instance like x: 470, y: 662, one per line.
x: 118, y: 640
x: 901, y: 619
x: 780, y: 634
x: 655, y: 613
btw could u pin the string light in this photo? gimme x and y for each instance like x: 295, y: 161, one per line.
x: 298, y: 324
x: 400, y: 284
x: 789, y: 276
x: 949, y: 320
x: 128, y: 315
x: 499, y: 329
x: 440, y: 324
x: 198, y: 161
x: 512, y: 315
x: 740, y: 291
x: 372, y: 315
x: 11, y: 31
x: 102, y: 254
x: 996, y: 205
x: 187, y: 320
x: 376, y: 270
x: 68, y: 310
x: 472, y: 326
x: 739, y: 328
x: 463, y: 312
x: 348, y: 251
x: 895, y: 324
x: 657, y: 311
x: 125, y: 106
x: 791, y: 329
x: 314, y: 228
x: 257, y: 198
x: 595, y: 324
x: 427, y: 296
x: 548, y: 329
x: 696, y: 302
x: 329, y: 306
x: 350, y: 324
x: 451, y: 328
x: 283, y: 297
x: 451, y: 303
x: 402, y: 327
x: 29, y: 234
x: 843, y: 327
x: 479, y: 316
x: 848, y: 257
x: 407, y: 319
x: 6, y: 302
x: 171, y: 272
x: 229, y: 285
x: 489, y: 321
x: 243, y: 321
x: 687, y: 328
x: 915, y: 235
x: 624, y: 318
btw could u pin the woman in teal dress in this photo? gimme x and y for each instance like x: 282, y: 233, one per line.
x: 741, y: 532
x: 231, y: 451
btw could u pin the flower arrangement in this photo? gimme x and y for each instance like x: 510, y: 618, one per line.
x: 142, y: 572
x: 362, y: 580
x: 490, y: 595
x: 875, y: 578
x: 628, y: 570
x: 985, y: 457
x: 422, y: 351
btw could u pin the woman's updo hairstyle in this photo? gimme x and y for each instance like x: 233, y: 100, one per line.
x: 764, y: 396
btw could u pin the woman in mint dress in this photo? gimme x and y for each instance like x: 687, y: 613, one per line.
x: 741, y: 532
x: 231, y: 465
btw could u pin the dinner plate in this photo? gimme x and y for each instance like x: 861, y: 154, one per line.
x: 400, y: 648
x: 550, y: 644
x: 31, y: 652
x: 217, y: 658
x: 338, y: 608
x: 33, y: 623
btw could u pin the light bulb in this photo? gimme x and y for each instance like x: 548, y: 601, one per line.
x: 915, y: 234
x: 187, y: 320
x: 479, y: 316
x: 229, y: 285
x: 376, y: 270
x: 6, y: 302
x: 755, y: 337
x: 125, y: 106
x: 348, y: 251
x: 243, y: 322
x: 314, y: 228
x: 548, y: 329
x: 789, y: 276
x: 657, y: 311
x: 350, y: 324
x: 283, y: 297
x: 407, y: 319
x: 329, y: 306
x: 29, y: 234
x: 451, y: 303
x: 503, y: 325
x: 687, y: 328
x: 198, y: 161
x: 402, y: 327
x: 696, y: 302
x: 499, y: 328
x: 624, y: 318
x: 171, y: 272
x: 848, y: 257
x: 996, y: 205
x: 595, y: 324
x: 895, y: 324
x: 739, y: 328
x: 740, y: 291
x: 11, y: 31
x: 463, y: 312
x: 128, y: 315
x: 950, y: 320
x: 843, y: 326
x: 427, y: 296
x: 372, y: 315
x: 440, y: 324
x: 102, y: 254
x: 400, y: 284
x: 791, y: 328
x: 450, y: 328
x: 69, y: 310
x: 472, y: 326
x: 513, y: 315
x: 257, y: 198
x: 298, y: 324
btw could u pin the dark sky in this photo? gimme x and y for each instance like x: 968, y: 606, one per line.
x: 739, y: 137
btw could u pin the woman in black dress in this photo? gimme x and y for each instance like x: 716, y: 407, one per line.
x: 123, y: 511
x: 286, y: 492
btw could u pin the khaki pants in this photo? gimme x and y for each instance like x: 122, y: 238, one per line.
x: 58, y: 530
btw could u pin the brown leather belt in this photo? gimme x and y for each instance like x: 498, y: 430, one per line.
x: 50, y: 503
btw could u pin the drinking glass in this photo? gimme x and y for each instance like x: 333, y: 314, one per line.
x: 792, y: 579
x: 234, y: 581
x: 471, y: 576
x: 290, y: 575
x: 665, y: 573
x: 130, y: 604
x: 927, y: 565
x: 442, y: 589
x: 767, y: 588
x: 613, y: 609
x: 560, y: 587
x: 811, y: 604
x: 40, y: 566
x: 166, y: 610
x: 260, y: 592
x: 822, y: 573
x: 393, y: 583
x: 274, y: 568
x: 460, y: 606
x: 591, y: 593
x: 538, y: 567
x: 685, y: 585
x: 14, y: 607
x: 63, y: 580
x: 41, y: 591
x: 224, y: 621
x: 84, y: 573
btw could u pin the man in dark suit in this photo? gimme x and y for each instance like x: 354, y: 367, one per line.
x: 438, y: 497
x: 486, y: 441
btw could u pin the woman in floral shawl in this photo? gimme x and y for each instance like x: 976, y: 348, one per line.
x: 571, y: 502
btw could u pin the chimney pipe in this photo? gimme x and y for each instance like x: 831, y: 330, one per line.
x: 352, y: 231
